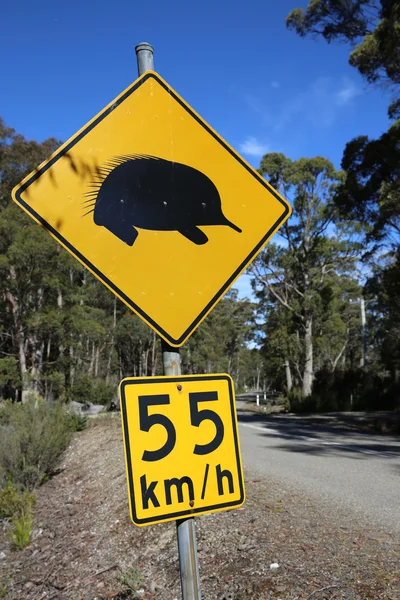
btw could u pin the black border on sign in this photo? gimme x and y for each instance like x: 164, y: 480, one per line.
x: 192, y: 511
x: 179, y: 341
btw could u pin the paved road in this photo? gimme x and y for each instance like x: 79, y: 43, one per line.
x: 352, y: 471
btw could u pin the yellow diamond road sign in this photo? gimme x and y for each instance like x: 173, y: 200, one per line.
x: 156, y: 205
x: 181, y: 446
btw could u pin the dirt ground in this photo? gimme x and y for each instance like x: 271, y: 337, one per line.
x: 83, y: 540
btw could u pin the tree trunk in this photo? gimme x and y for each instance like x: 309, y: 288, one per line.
x: 108, y: 370
x: 96, y: 363
x: 22, y: 359
x: 146, y: 361
x: 19, y: 338
x: 308, y: 364
x: 258, y: 378
x: 39, y: 354
x: 154, y: 355
x: 48, y: 349
x: 92, y: 359
x: 237, y: 372
x: 71, y: 366
x: 341, y: 353
x: 289, y: 383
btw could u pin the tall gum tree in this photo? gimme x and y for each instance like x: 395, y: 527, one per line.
x: 314, y: 246
x: 370, y: 191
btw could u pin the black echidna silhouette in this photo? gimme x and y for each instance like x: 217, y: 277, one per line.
x: 145, y: 192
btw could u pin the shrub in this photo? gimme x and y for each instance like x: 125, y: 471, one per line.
x: 298, y: 404
x: 13, y: 502
x: 78, y: 422
x: 103, y: 392
x: 96, y: 391
x: 283, y: 401
x: 131, y: 580
x: 32, y: 438
x: 354, y: 389
x: 18, y: 506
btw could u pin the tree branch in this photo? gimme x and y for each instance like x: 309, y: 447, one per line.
x: 339, y: 356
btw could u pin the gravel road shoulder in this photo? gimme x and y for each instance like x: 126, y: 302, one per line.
x: 83, y: 540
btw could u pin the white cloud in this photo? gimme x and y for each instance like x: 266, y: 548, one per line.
x: 347, y: 92
x: 317, y: 106
x: 275, y: 84
x: 253, y: 147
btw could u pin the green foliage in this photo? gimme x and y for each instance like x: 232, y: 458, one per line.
x: 14, y: 502
x: 77, y: 422
x: 21, y: 530
x: 136, y: 346
x: 374, y: 28
x: 96, y: 391
x: 9, y: 372
x: 219, y: 344
x: 131, y: 579
x: 54, y: 385
x: 299, y: 404
x: 18, y: 157
x: 32, y: 438
x: 384, y: 288
x: 371, y: 189
x: 18, y: 506
x: 351, y: 389
x: 331, y: 19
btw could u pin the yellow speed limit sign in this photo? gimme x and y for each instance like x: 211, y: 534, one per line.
x: 181, y: 446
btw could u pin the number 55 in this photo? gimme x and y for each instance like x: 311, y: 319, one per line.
x: 198, y: 416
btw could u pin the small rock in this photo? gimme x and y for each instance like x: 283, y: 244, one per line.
x: 2, y: 556
x: 152, y: 587
x: 37, y: 533
x: 273, y: 566
x: 28, y: 585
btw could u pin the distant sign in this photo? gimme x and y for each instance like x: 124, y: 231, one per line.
x: 181, y: 446
x: 156, y: 205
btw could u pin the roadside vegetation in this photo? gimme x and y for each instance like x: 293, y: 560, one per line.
x: 33, y: 437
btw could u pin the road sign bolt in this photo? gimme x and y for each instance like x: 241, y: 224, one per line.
x: 179, y: 387
x: 191, y: 503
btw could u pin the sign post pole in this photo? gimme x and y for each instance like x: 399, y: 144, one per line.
x: 186, y: 532
x: 185, y: 528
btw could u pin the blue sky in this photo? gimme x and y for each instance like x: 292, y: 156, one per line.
x: 261, y: 87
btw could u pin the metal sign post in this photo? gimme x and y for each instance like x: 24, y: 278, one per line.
x: 186, y: 532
